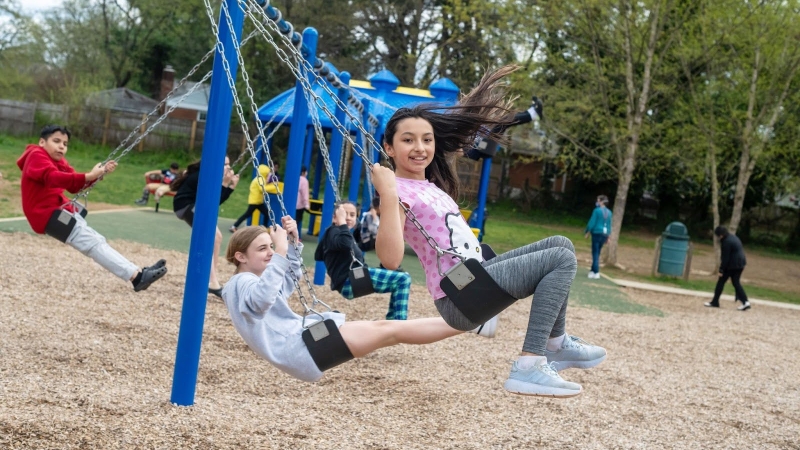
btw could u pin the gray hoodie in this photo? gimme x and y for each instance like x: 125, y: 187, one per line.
x: 262, y: 316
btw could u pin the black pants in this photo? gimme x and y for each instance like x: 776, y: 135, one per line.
x: 250, y: 209
x: 298, y: 217
x: 734, y: 275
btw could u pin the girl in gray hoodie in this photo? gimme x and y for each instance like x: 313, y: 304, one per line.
x: 257, y: 295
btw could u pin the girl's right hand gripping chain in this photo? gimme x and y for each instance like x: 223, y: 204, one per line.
x: 383, y: 179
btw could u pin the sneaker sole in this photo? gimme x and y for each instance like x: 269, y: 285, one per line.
x: 561, y: 365
x: 160, y: 272
x: 523, y: 388
x: 744, y: 308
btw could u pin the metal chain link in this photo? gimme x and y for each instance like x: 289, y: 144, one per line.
x: 259, y: 23
x: 271, y: 134
x: 323, y: 147
x: 87, y: 188
x: 261, y: 182
x: 282, y: 55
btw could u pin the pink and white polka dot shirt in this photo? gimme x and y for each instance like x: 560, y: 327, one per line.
x: 441, y: 218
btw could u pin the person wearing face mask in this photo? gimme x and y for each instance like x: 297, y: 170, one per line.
x: 599, y: 228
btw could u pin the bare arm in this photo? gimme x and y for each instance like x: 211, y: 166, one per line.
x: 389, y: 244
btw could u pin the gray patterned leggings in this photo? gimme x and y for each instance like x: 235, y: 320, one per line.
x: 544, y: 269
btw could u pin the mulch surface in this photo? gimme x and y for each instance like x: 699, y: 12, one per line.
x: 87, y: 363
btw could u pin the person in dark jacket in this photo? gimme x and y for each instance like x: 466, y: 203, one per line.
x: 732, y: 265
x: 185, y: 187
x: 337, y: 249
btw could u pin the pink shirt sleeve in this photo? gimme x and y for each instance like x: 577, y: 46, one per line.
x: 302, y: 194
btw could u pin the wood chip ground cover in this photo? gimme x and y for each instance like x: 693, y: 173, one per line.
x: 87, y: 363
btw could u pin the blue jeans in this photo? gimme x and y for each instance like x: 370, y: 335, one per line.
x: 597, y: 244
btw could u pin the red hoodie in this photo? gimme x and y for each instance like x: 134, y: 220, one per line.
x: 43, y: 183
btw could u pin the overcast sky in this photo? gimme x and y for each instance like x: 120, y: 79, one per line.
x: 39, y: 5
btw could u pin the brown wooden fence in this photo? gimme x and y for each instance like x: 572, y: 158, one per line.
x: 109, y: 127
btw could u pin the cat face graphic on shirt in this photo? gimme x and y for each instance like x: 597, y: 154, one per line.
x: 462, y: 239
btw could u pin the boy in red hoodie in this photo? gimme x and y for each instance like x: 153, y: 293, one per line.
x: 45, y: 176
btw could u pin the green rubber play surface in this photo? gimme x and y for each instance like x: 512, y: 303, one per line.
x: 164, y: 230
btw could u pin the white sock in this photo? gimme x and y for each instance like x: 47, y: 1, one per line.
x: 532, y: 112
x: 555, y: 343
x: 527, y: 362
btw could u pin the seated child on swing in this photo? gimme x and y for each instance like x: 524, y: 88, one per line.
x: 338, y: 248
x: 45, y: 175
x: 421, y: 142
x: 257, y: 300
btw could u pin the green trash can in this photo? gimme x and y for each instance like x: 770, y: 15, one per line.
x: 674, y: 246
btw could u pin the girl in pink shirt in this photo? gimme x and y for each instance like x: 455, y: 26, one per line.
x: 422, y: 142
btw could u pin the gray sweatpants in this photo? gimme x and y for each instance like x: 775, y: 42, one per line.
x: 544, y: 269
x: 86, y: 240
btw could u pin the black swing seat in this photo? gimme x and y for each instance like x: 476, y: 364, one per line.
x: 326, y: 345
x: 473, y: 291
x: 61, y: 224
x: 360, y: 281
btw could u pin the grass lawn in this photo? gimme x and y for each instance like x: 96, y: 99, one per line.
x: 506, y: 228
x: 707, y: 286
x: 125, y: 184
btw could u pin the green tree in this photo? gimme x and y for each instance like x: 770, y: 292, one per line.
x: 607, y: 74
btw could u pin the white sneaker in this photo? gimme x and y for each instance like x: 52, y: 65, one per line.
x: 488, y: 329
x: 577, y: 353
x: 597, y: 275
x: 591, y: 274
x: 541, y: 380
x: 744, y: 307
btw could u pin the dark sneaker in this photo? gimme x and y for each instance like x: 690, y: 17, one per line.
x: 217, y: 292
x: 150, y: 275
x: 141, y: 202
x: 537, y: 106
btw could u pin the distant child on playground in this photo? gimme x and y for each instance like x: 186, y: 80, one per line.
x: 338, y: 248
x: 45, y: 175
x: 186, y: 187
x: 303, y: 200
x: 257, y: 300
x: 369, y: 223
x: 599, y: 227
x: 421, y: 142
x: 255, y: 199
x: 161, y: 187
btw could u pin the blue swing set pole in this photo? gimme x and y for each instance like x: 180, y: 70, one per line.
x: 319, y: 168
x: 297, y: 134
x: 190, y: 335
x: 308, y: 148
x: 358, y: 163
x: 335, y: 152
x: 366, y: 195
x: 483, y: 191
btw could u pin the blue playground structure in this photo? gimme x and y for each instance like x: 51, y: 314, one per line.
x: 371, y: 102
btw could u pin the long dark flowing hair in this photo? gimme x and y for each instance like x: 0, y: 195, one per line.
x: 177, y: 182
x: 456, y: 127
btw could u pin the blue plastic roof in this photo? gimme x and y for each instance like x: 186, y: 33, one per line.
x: 383, y: 86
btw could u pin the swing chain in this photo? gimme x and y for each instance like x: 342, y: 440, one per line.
x: 304, y: 82
x: 282, y: 55
x: 271, y: 134
x: 323, y: 147
x: 261, y: 182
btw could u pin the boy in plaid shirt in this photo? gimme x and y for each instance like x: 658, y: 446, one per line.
x: 337, y: 249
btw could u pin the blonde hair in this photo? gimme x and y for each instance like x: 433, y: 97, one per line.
x: 240, y: 241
